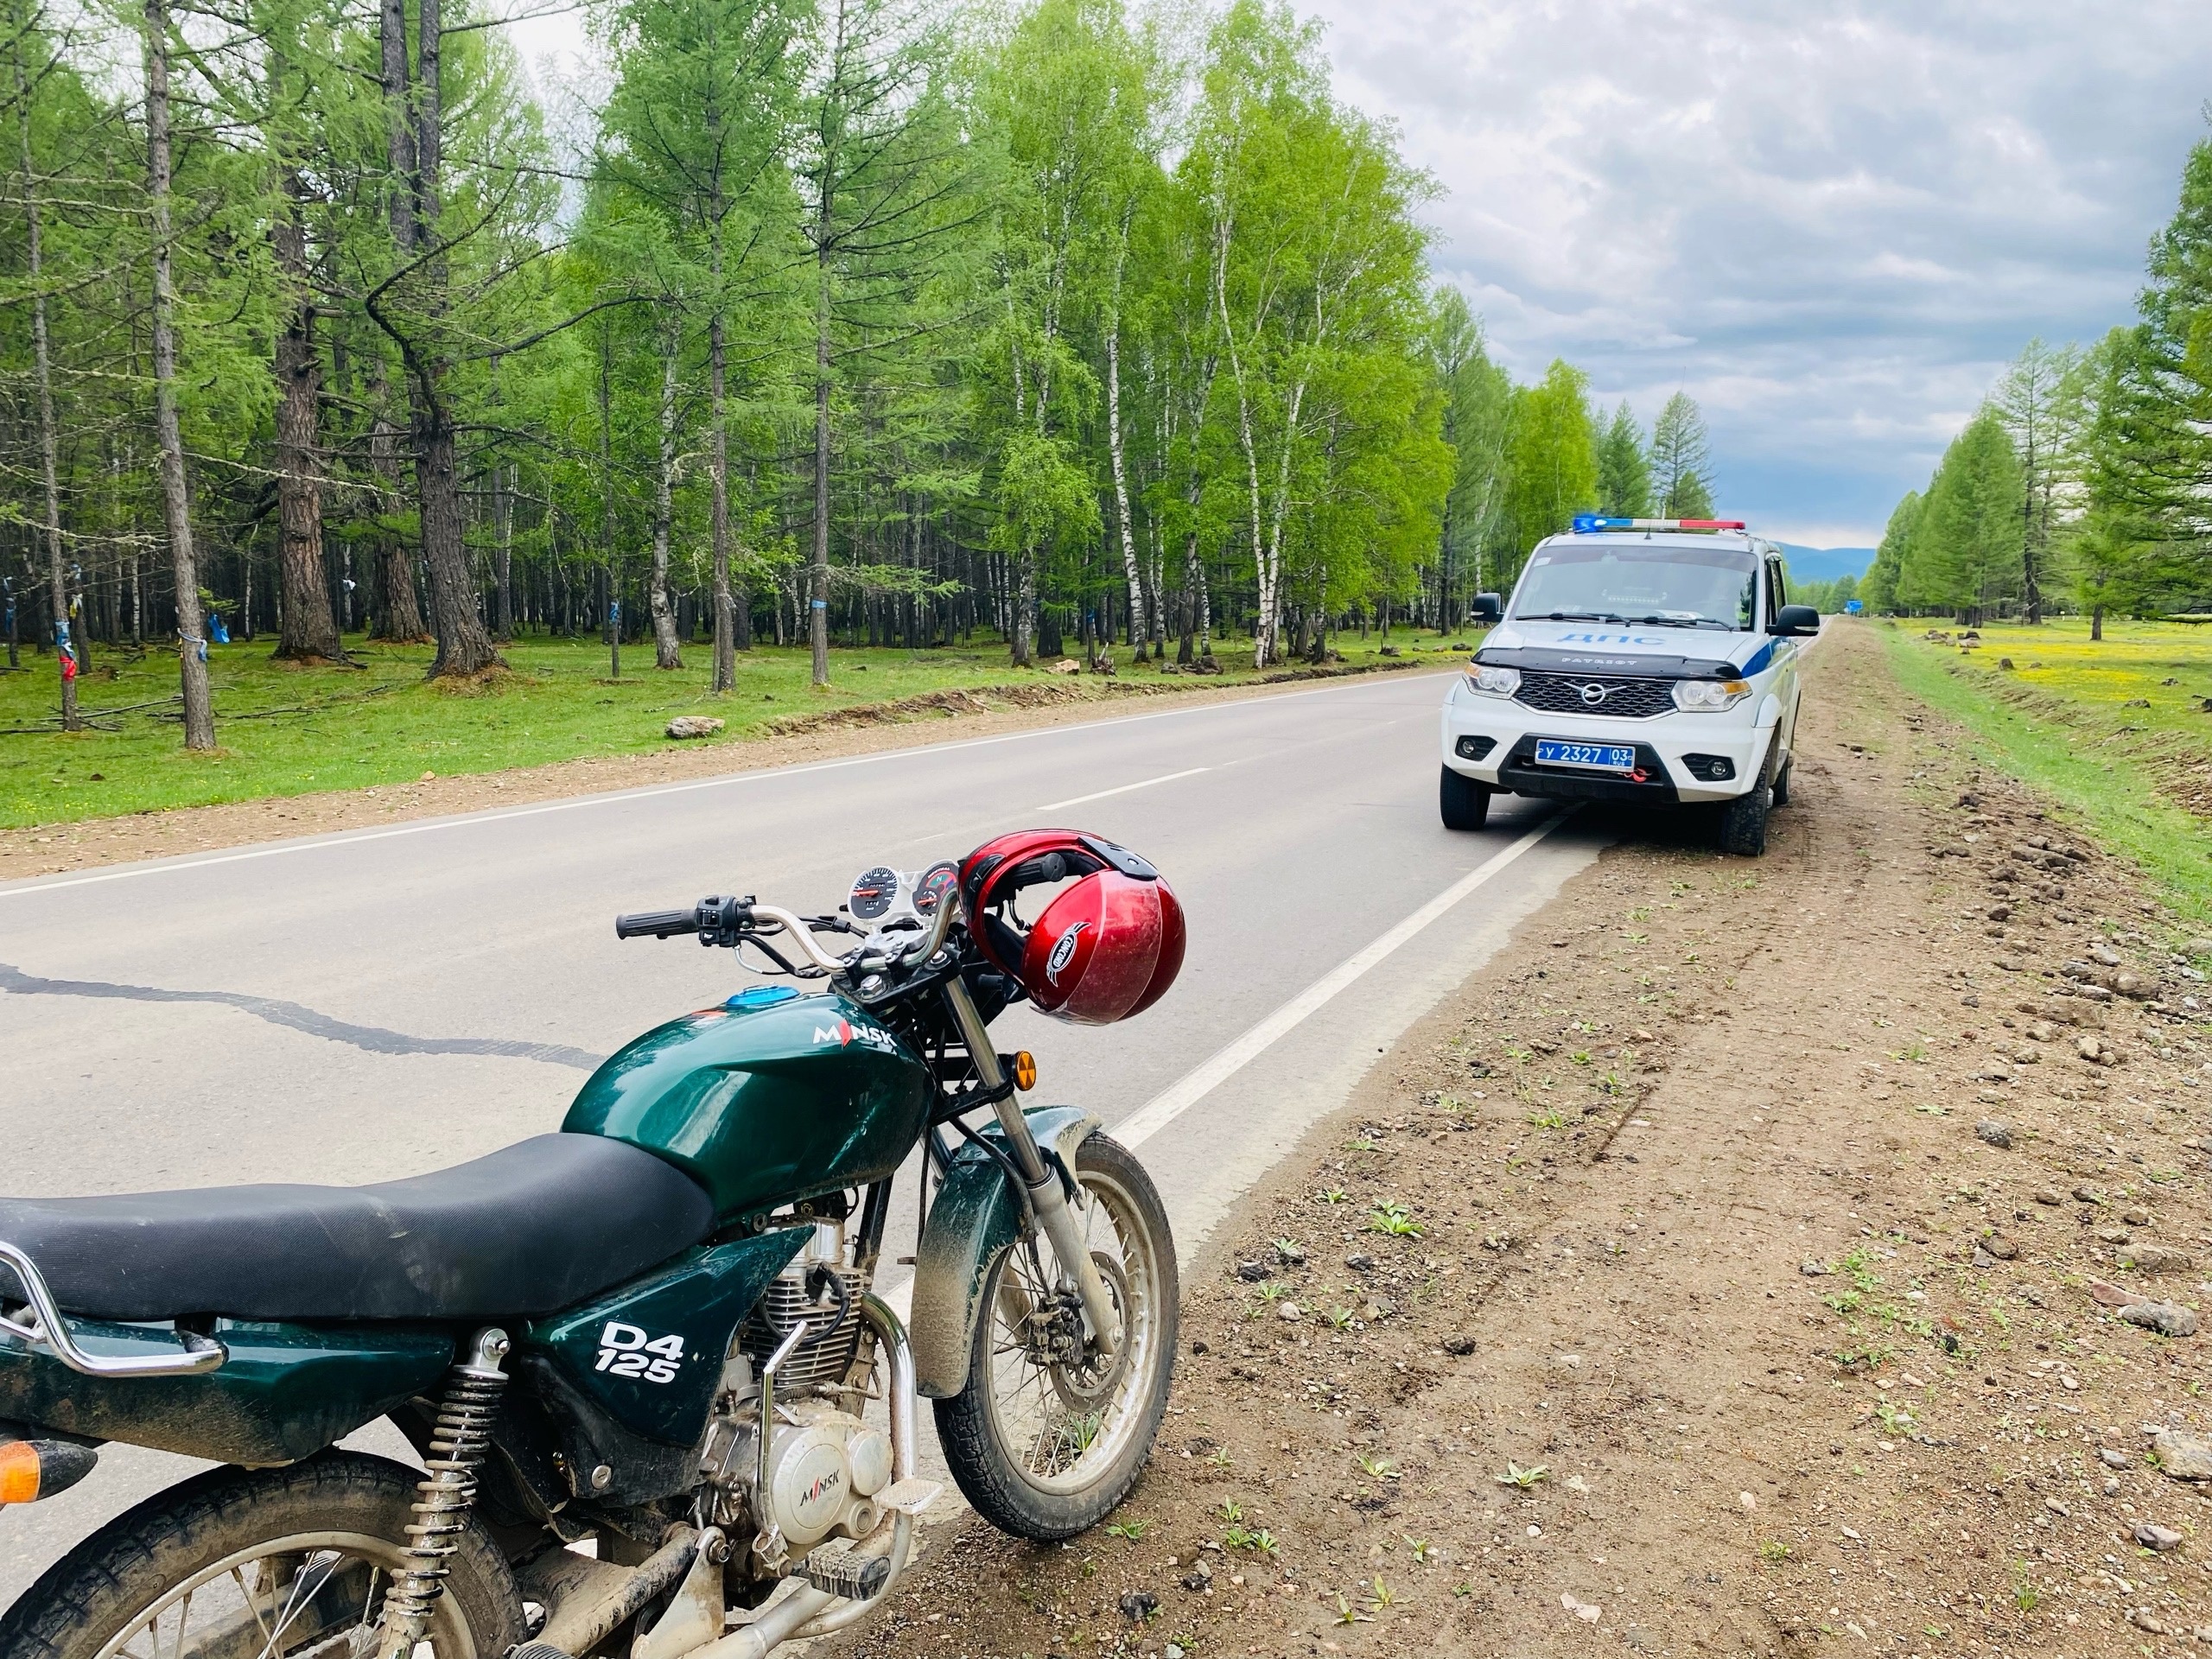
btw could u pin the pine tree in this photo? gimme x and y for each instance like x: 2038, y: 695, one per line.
x: 1681, y: 462
x: 1880, y: 590
x: 1623, y: 469
x: 1964, y: 555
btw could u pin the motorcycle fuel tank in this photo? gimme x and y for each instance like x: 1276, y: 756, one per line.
x: 773, y: 1098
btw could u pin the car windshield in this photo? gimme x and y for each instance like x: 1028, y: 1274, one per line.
x: 1652, y: 584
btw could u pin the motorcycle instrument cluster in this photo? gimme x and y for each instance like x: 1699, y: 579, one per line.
x: 874, y: 893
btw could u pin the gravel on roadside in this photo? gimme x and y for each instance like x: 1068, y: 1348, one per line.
x: 1755, y: 1255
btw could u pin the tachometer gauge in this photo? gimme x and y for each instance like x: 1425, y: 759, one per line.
x: 936, y: 882
x: 873, y: 893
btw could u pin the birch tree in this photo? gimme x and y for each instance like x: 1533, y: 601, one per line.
x: 176, y: 506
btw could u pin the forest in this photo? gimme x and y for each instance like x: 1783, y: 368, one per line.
x: 863, y: 319
x: 2084, y: 482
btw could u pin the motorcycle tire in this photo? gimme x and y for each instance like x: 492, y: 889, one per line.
x: 1043, y: 1449
x: 305, y: 1551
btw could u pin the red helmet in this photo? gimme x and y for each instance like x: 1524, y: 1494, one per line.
x: 1104, y: 949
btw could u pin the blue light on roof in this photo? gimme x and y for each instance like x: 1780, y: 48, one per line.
x: 1588, y: 523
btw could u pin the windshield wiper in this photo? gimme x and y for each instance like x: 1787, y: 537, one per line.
x: 1579, y: 616
x: 1683, y: 622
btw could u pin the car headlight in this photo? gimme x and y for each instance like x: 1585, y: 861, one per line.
x: 1493, y: 681
x: 1709, y: 696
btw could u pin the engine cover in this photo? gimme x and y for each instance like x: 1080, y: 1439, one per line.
x: 822, y: 1471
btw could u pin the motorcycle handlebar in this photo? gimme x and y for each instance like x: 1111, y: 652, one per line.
x: 658, y: 924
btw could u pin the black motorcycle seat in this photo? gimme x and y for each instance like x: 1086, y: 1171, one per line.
x: 525, y: 1231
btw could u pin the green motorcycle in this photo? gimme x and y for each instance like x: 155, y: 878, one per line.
x: 661, y: 1408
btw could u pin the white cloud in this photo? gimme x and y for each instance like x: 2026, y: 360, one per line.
x: 1832, y: 223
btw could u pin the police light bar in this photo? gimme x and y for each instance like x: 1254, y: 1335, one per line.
x: 1587, y: 524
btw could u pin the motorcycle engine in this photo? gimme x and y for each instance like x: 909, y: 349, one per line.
x: 824, y: 1470
x: 825, y: 1466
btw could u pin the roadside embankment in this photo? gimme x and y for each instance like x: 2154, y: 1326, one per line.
x: 2118, y: 731
x: 1755, y: 1256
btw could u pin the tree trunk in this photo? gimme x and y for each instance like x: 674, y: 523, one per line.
x: 1024, y: 610
x: 199, y: 708
x: 1135, y: 577
x: 613, y: 614
x: 464, y: 648
x: 48, y: 439
x: 2097, y: 622
x: 306, y: 632
x: 819, y: 588
x: 503, y: 550
x: 725, y: 674
x: 402, y: 621
x: 1264, y: 623
x: 666, y: 651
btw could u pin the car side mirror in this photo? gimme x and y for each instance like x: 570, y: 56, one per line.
x: 1797, y: 619
x: 1486, y: 607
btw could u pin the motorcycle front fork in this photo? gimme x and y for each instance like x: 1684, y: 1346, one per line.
x: 1056, y: 1218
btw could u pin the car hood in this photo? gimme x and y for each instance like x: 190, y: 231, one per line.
x: 1612, y: 649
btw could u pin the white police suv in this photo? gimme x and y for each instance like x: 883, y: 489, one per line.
x: 1643, y: 661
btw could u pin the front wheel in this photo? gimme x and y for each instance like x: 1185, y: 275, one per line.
x: 1743, y: 823
x: 1048, y: 1436
x: 1462, y: 802
x: 260, y: 1564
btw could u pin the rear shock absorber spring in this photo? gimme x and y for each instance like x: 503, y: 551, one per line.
x: 459, y: 1440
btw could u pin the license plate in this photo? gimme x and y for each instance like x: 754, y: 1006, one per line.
x: 1590, y: 757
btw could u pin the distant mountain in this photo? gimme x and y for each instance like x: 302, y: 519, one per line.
x: 1825, y: 564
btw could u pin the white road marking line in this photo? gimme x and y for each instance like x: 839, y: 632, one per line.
x: 1054, y: 806
x: 1194, y: 1086
x: 1170, y: 1104
x: 351, y: 838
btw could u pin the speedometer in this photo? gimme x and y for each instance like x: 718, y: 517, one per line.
x: 873, y: 893
x: 937, y: 881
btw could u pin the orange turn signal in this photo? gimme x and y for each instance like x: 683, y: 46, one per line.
x: 30, y: 1470
x: 1025, y: 1071
x: 19, y: 1472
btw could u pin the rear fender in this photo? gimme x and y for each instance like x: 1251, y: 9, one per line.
x: 976, y: 1215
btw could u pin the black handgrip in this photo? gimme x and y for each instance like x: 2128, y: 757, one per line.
x: 659, y: 924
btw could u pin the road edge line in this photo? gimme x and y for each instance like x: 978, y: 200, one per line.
x: 1195, y: 1086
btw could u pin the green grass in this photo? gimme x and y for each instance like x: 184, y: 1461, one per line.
x: 2059, y: 721
x: 289, y: 731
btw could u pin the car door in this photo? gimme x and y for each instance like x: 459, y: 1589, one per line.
x: 1785, y: 654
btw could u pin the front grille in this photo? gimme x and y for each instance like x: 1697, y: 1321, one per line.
x: 783, y: 1307
x: 1475, y: 749
x: 1710, y: 768
x: 1568, y: 694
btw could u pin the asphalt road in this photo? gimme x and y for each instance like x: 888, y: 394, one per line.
x: 358, y: 1006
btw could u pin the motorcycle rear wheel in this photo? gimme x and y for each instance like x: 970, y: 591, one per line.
x: 259, y: 1564
x: 1043, y: 1442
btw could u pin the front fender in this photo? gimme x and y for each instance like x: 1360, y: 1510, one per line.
x: 976, y: 1215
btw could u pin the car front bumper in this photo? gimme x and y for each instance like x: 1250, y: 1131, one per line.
x: 1685, y: 757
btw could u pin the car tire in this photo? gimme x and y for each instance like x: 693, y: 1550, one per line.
x: 1743, y: 824
x: 1462, y: 802
x: 1781, y: 784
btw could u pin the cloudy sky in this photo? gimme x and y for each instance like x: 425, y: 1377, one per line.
x: 1830, y: 221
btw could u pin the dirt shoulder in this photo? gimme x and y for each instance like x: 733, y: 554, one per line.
x: 865, y: 729
x: 1733, y: 1265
